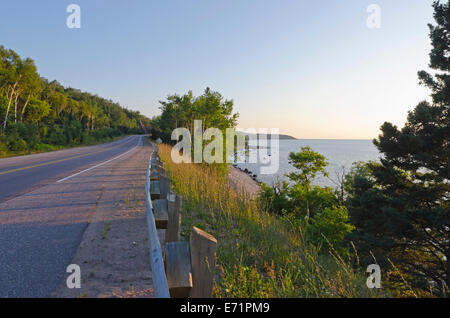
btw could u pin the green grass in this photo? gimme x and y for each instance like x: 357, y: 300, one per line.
x: 259, y: 255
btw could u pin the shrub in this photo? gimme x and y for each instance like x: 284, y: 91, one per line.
x: 18, y: 145
x: 43, y: 147
x: 56, y: 136
x: 3, y: 147
x: 315, y: 200
x: 329, y: 227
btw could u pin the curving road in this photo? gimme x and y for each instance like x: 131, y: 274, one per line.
x: 45, y: 204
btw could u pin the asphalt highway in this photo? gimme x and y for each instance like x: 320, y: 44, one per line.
x: 19, y: 175
x: 44, y: 209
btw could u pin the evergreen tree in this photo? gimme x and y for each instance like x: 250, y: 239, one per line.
x: 402, y: 211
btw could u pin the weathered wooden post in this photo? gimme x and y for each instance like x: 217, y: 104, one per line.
x: 160, y: 205
x: 203, y: 261
x: 164, y: 185
x: 174, y: 213
x: 155, y: 190
x: 154, y: 175
x: 178, y: 269
x: 160, y: 170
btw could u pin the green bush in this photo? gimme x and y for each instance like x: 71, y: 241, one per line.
x: 86, y: 138
x: 316, y: 199
x: 328, y: 228
x: 43, y: 147
x: 275, y: 203
x: 3, y: 147
x: 56, y: 136
x: 18, y: 145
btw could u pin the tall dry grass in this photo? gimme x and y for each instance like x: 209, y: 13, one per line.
x: 259, y: 255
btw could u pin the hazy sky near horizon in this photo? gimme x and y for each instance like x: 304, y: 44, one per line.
x: 311, y: 68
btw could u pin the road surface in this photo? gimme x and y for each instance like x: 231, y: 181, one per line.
x: 46, y: 201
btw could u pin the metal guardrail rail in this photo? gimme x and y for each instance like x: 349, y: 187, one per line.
x: 159, y: 278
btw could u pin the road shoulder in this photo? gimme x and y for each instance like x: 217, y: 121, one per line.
x: 113, y: 254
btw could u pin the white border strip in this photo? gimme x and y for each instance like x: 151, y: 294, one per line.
x: 100, y: 164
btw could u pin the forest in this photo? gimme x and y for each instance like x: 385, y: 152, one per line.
x: 39, y: 115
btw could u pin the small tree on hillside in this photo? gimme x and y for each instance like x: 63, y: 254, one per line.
x: 308, y: 163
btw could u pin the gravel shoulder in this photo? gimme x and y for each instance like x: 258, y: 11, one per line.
x: 113, y: 254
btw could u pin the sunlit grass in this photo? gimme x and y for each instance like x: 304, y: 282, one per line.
x: 259, y: 255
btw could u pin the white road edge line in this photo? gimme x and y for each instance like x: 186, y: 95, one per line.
x: 100, y: 164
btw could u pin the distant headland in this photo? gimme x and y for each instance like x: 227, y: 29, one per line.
x: 268, y: 136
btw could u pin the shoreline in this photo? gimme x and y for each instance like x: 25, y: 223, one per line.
x: 241, y: 181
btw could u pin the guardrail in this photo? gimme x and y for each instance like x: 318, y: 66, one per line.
x: 160, y: 287
x: 185, y: 269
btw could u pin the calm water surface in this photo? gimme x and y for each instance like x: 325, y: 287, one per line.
x: 339, y: 153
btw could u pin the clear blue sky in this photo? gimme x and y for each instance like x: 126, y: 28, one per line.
x: 311, y: 68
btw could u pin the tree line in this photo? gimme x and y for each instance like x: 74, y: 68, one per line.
x: 36, y: 114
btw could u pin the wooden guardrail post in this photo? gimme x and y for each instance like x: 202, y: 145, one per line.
x: 160, y: 170
x: 160, y: 205
x: 174, y: 214
x: 188, y: 268
x: 164, y: 186
x: 154, y: 175
x: 203, y: 261
x: 178, y: 269
x: 155, y: 190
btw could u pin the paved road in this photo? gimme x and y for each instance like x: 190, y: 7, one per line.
x: 45, y: 205
x: 19, y: 175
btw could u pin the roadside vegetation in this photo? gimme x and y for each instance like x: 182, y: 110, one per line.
x: 37, y: 115
x: 302, y: 240
x: 260, y: 254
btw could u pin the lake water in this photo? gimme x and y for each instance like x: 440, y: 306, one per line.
x: 339, y: 153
